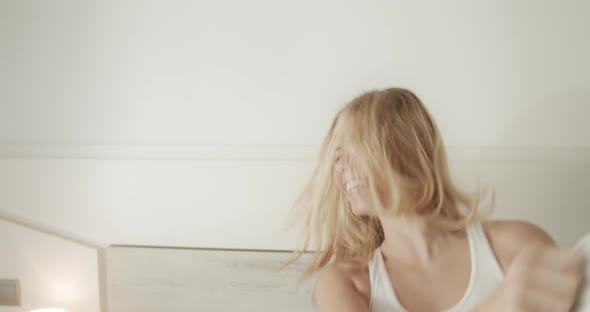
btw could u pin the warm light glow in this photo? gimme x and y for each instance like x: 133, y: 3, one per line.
x: 48, y: 310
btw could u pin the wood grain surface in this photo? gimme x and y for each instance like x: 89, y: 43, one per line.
x: 175, y: 280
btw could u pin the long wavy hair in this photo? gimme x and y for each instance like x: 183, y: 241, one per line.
x: 392, y: 140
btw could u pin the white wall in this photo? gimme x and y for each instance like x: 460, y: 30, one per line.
x: 244, y: 203
x: 52, y: 272
x: 274, y: 72
x: 193, y: 123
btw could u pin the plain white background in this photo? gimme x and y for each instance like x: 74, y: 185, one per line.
x: 195, y: 123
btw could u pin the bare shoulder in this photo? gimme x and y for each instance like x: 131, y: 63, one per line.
x: 335, y: 273
x: 517, y: 233
x: 340, y: 287
x: 508, y: 237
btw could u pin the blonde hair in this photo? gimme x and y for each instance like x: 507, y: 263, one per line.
x: 394, y: 142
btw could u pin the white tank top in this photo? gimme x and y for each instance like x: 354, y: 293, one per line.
x: 486, y: 275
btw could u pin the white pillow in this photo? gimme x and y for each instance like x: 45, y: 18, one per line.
x: 583, y: 304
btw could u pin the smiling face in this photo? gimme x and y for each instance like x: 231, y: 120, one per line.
x: 351, y: 182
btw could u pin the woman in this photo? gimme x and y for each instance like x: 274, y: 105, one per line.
x: 397, y: 235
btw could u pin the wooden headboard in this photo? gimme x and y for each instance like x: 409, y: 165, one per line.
x: 146, y: 279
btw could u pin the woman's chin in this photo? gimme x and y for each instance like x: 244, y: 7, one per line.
x: 358, y: 209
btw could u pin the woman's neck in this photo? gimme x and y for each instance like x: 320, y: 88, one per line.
x: 414, y: 240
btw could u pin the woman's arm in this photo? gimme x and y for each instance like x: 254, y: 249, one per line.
x: 539, y: 276
x: 583, y: 302
x: 509, y: 237
x: 336, y: 292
